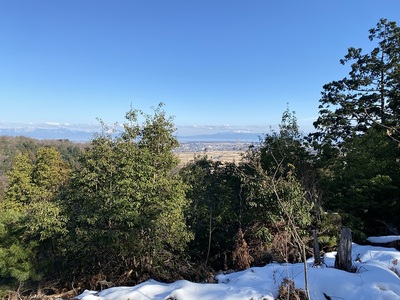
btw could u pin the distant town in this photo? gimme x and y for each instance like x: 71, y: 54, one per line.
x: 212, y: 146
x: 220, y: 141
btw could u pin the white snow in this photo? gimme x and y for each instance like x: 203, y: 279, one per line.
x: 383, y: 239
x: 375, y: 278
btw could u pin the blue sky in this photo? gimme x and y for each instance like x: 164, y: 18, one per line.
x: 211, y: 62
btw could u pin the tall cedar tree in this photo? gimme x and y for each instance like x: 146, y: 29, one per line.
x: 369, y: 95
x: 358, y: 118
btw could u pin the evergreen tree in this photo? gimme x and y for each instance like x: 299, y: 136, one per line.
x: 363, y: 185
x: 358, y: 121
x: 280, y: 191
x: 126, y: 205
x: 369, y: 95
x: 280, y: 149
x: 214, y: 214
x: 31, y: 217
x: 279, y: 208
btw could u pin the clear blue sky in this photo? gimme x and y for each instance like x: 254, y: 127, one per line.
x: 211, y: 62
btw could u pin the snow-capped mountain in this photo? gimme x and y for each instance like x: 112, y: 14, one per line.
x: 85, y: 132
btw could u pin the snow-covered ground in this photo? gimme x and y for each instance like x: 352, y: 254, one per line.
x: 375, y: 279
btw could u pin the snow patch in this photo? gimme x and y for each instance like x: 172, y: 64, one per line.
x: 376, y: 278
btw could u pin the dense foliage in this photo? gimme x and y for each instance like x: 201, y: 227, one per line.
x: 357, y: 137
x: 214, y: 214
x: 10, y: 147
x: 124, y: 204
x: 369, y: 94
x: 120, y: 211
x: 31, y: 218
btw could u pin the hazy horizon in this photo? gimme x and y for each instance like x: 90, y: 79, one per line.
x: 211, y: 62
x: 181, y: 130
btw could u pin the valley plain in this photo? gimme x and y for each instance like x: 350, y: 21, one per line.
x: 222, y: 151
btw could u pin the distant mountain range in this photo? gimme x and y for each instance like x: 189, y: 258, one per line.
x: 84, y: 133
x: 48, y: 134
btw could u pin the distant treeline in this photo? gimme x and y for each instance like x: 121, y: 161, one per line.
x: 10, y: 147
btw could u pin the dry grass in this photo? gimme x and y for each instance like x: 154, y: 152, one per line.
x: 224, y: 156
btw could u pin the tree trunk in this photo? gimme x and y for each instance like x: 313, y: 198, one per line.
x: 210, y: 230
x: 306, y: 273
x: 343, y: 259
x: 317, y: 257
